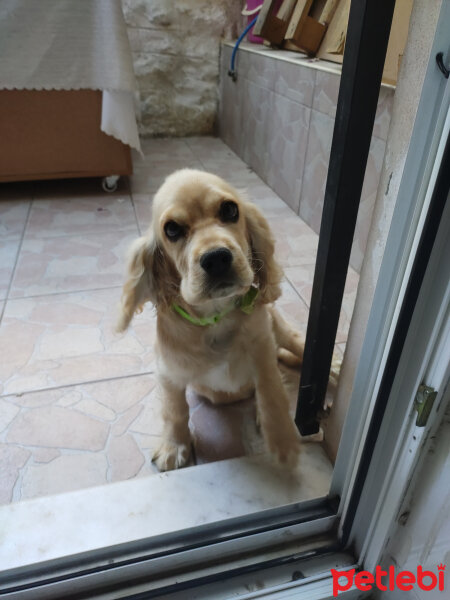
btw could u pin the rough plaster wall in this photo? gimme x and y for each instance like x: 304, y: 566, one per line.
x: 406, y: 100
x: 175, y: 46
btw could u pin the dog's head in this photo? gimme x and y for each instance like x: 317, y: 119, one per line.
x: 205, y: 243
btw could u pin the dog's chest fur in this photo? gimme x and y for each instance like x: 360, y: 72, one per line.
x: 217, y: 359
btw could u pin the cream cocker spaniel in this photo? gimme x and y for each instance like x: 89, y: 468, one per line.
x: 207, y: 264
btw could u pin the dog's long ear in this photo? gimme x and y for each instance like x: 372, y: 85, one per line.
x: 139, y: 286
x: 268, y: 272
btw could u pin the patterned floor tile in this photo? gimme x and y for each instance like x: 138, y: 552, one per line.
x: 143, y: 208
x: 13, y: 217
x: 296, y: 242
x: 302, y: 279
x: 71, y: 263
x: 74, y: 437
x: 161, y: 157
x: 64, y: 339
x: 165, y: 150
x: 9, y: 248
x: 79, y: 215
x: 268, y: 201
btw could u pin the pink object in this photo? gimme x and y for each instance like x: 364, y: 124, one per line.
x: 251, y: 10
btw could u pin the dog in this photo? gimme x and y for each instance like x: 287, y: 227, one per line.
x: 207, y: 264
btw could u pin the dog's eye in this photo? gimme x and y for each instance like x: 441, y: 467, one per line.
x: 173, y: 230
x: 229, y: 212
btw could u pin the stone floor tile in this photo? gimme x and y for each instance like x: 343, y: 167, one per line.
x: 58, y: 427
x: 292, y: 307
x: 302, y: 280
x: 165, y: 149
x: 143, y: 207
x: 94, y: 409
x: 81, y: 420
x: 120, y: 395
x: 209, y: 148
x: 233, y: 172
x: 149, y: 421
x: 149, y: 175
x: 7, y: 414
x: 9, y: 248
x: 65, y: 473
x: 59, y: 397
x: 267, y: 201
x: 105, y: 400
x: 71, y: 263
x: 13, y: 217
x: 12, y: 459
x: 61, y: 216
x: 124, y: 457
x: 126, y: 420
x: 218, y: 158
x: 296, y: 242
x: 45, y: 455
x: 69, y: 338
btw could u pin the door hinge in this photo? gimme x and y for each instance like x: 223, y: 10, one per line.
x: 423, y: 403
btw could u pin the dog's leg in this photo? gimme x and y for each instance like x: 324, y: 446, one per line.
x: 291, y: 345
x: 175, y: 449
x: 290, y: 342
x: 277, y: 425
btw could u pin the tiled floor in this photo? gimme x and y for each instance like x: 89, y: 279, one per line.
x: 77, y: 402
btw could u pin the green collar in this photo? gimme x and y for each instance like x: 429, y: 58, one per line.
x: 246, y: 303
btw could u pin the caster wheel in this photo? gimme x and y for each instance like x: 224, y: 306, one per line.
x: 110, y: 184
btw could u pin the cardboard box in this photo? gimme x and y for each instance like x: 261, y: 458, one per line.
x: 333, y: 44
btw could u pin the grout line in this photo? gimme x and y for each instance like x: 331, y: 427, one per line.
x: 84, y: 234
x: 305, y: 161
x: 80, y: 291
x: 195, y: 155
x: 135, y: 214
x: 71, y: 385
x: 19, y: 248
x: 297, y: 293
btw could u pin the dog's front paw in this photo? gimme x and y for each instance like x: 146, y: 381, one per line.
x: 284, y: 443
x: 171, y: 456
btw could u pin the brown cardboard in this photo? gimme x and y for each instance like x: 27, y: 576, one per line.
x: 56, y: 134
x: 397, y: 40
x: 308, y: 24
x: 297, y: 20
x: 332, y: 47
x: 270, y: 26
x: 310, y: 36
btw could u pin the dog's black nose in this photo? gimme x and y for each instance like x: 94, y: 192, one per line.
x: 216, y: 262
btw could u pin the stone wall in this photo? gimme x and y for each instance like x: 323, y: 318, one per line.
x: 175, y: 46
